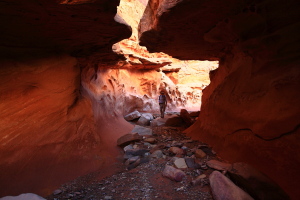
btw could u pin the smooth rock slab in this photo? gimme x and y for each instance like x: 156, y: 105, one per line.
x: 258, y: 185
x: 224, y: 189
x: 142, y: 130
x: 132, y: 116
x: 173, y: 173
x: 215, y: 164
x: 27, y: 196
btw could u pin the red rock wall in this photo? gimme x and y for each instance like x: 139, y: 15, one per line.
x: 250, y: 110
x: 48, y: 130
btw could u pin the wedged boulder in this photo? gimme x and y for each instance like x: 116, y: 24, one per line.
x: 27, y: 196
x: 258, y: 185
x: 224, y: 189
x: 186, y: 117
x: 127, y: 139
x: 131, y: 116
x: 215, y: 164
x: 142, y: 130
x: 173, y: 173
x: 145, y: 119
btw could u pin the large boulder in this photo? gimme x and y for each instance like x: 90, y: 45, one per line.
x: 186, y: 117
x: 224, y: 189
x: 258, y: 185
x: 145, y: 119
x: 131, y: 116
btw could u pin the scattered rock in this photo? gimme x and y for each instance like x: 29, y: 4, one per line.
x: 136, y: 152
x: 127, y: 139
x: 180, y: 163
x: 258, y: 185
x: 199, y: 153
x: 224, y: 189
x: 173, y: 173
x: 133, y: 159
x: 150, y: 140
x: 176, y: 150
x: 191, y: 163
x: 56, y: 192
x: 132, y: 116
x: 108, y: 197
x: 157, y: 154
x: 128, y: 147
x: 215, y: 164
x: 199, y: 180
x: 142, y: 130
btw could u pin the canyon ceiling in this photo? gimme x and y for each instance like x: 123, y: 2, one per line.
x: 63, y: 91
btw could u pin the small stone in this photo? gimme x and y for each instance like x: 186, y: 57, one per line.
x: 191, y: 163
x: 180, y: 163
x: 150, y: 140
x: 173, y: 173
x: 199, y: 153
x: 108, y: 197
x: 136, y: 152
x: 199, y: 179
x: 176, y: 150
x: 157, y: 154
x: 133, y: 159
x: 215, y: 164
x: 57, y: 192
x: 127, y: 139
x: 128, y: 147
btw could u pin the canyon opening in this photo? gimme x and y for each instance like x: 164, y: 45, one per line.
x: 79, y: 87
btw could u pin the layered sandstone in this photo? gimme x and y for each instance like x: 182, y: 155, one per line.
x: 250, y: 110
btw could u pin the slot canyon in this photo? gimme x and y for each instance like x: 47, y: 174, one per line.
x: 70, y: 70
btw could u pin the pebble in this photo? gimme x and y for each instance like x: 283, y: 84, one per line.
x: 108, y: 197
x: 56, y: 192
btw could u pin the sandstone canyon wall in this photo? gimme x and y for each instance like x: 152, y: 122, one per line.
x: 250, y: 111
x: 47, y: 125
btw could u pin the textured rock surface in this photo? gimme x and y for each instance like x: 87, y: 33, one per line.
x: 47, y: 126
x: 250, y: 110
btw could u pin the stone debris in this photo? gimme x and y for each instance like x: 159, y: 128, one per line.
x: 173, y: 173
x: 215, y: 164
x: 166, y: 163
x: 132, y: 116
x: 128, y: 138
x: 224, y: 189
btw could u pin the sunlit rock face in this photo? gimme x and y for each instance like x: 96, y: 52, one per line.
x: 250, y: 110
x: 48, y: 130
